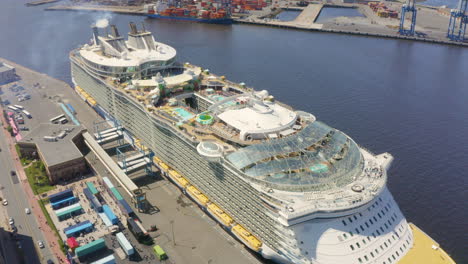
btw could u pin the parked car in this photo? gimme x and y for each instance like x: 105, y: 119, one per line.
x: 40, y: 244
x: 27, y: 210
x: 23, y: 128
x: 11, y: 221
x: 5, y: 202
x: 12, y: 173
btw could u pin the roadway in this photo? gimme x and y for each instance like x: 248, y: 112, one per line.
x: 28, y: 229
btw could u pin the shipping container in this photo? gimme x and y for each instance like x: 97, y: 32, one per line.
x: 107, y: 182
x: 116, y: 194
x: 125, y: 244
x: 69, y: 211
x: 77, y: 230
x: 95, y: 204
x: 126, y: 209
x: 63, y: 203
x: 106, y: 260
x: 92, y: 188
x: 60, y: 196
x: 90, y: 248
x: 108, y: 212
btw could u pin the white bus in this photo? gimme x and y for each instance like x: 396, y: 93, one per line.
x: 63, y: 120
x: 19, y: 107
x: 27, y: 114
x: 55, y: 120
x: 12, y: 108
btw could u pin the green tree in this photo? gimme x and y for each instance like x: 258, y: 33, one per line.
x: 10, y: 130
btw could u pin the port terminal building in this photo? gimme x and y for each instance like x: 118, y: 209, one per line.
x: 58, y: 147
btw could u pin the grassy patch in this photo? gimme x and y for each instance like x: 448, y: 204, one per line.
x: 52, y: 225
x: 24, y: 160
x: 37, y: 178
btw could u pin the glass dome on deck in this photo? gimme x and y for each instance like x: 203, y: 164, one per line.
x: 316, y: 158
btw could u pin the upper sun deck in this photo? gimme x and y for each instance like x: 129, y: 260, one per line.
x: 132, y: 57
x: 140, y: 50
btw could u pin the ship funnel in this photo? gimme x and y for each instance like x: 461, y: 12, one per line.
x: 114, y: 31
x: 95, y: 35
x: 133, y: 28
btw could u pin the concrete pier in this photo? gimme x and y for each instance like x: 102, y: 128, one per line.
x: 431, y: 25
x: 309, y: 15
x: 128, y: 10
x: 41, y: 2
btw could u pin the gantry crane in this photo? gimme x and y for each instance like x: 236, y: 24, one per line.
x: 458, y: 20
x: 410, y: 8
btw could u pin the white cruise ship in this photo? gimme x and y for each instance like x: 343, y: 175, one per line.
x: 288, y: 186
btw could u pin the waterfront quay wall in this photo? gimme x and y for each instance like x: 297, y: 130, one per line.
x: 357, y: 33
x: 298, y: 24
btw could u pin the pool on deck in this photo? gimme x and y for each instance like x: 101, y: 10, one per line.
x: 184, y: 114
x: 205, y: 119
x: 217, y: 98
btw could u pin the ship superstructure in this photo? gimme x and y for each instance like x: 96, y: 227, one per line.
x: 287, y: 185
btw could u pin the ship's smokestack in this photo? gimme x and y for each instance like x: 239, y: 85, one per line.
x: 114, y: 31
x: 95, y: 35
x: 133, y: 28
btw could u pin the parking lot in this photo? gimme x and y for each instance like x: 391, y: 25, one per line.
x: 34, y: 100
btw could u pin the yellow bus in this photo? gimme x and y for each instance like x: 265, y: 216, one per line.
x: 159, y: 252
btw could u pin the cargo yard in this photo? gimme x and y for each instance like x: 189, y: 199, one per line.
x: 184, y: 233
x: 375, y: 19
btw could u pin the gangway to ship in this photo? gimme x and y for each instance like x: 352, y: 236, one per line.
x: 133, y: 162
x: 137, y: 195
x: 137, y: 165
x: 110, y: 137
x: 103, y: 133
x: 108, y: 134
x: 138, y: 156
x: 142, y: 158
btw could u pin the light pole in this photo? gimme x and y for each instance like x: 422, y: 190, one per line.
x: 172, y: 228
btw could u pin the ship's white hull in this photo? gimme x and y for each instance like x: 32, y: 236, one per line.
x: 378, y: 233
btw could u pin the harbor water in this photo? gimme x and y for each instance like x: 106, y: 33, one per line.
x: 405, y: 98
x: 288, y: 15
